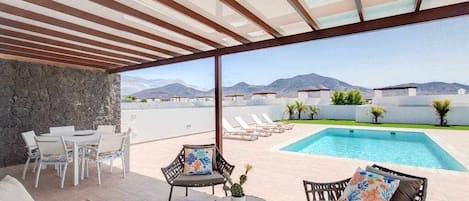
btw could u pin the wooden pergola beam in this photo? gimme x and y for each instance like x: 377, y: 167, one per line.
x: 82, y: 61
x: 43, y: 58
x: 196, y: 16
x: 301, y: 10
x: 54, y: 49
x: 48, y: 41
x: 50, y: 32
x: 53, y: 5
x: 377, y: 24
x: 75, y: 27
x: 252, y: 17
x: 114, y: 5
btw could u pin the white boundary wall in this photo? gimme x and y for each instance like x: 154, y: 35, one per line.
x: 152, y: 124
x: 425, y: 100
x: 414, y: 115
x: 159, y: 123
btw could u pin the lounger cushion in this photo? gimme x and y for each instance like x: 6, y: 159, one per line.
x: 368, y: 186
x: 190, y: 180
x: 408, y: 187
x: 198, y: 160
x: 12, y: 190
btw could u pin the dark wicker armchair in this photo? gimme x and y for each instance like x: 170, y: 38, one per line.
x: 333, y: 191
x: 174, y: 176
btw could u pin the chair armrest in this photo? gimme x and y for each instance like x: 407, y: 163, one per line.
x: 172, y: 171
x: 324, y: 191
x: 222, y: 165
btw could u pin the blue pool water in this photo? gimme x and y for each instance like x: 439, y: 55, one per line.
x: 407, y: 148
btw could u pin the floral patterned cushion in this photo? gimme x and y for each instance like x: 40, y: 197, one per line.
x: 52, y: 158
x: 198, y: 161
x: 367, y: 186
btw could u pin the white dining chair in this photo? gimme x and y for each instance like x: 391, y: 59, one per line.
x: 109, y: 147
x: 62, y: 131
x: 33, y: 151
x: 106, y: 129
x: 53, y: 151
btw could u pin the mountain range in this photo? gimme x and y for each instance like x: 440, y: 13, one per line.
x: 286, y: 87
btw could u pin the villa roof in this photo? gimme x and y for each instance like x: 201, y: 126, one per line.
x: 313, y: 90
x: 264, y: 93
x: 395, y: 88
x: 117, y: 36
x: 234, y: 95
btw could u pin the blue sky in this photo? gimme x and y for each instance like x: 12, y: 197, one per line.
x: 434, y: 51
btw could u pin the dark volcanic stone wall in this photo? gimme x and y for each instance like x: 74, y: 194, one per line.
x: 36, y: 97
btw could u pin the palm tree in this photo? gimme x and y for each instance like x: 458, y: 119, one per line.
x: 377, y: 113
x: 312, y: 110
x: 442, y: 108
x: 290, y: 110
x: 300, y: 107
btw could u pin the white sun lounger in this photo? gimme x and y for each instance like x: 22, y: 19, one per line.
x: 263, y: 132
x: 274, y: 128
x: 242, y: 133
x: 287, y: 126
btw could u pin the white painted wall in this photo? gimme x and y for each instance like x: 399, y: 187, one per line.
x: 342, y: 112
x: 152, y: 124
x: 414, y: 115
x: 456, y: 100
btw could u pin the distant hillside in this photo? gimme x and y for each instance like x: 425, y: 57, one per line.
x: 434, y: 88
x: 288, y: 87
x: 130, y: 85
x: 169, y: 91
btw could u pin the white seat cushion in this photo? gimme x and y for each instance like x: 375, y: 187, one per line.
x: 12, y: 190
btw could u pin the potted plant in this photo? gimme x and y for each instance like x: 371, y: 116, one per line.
x: 236, y: 189
x: 442, y: 108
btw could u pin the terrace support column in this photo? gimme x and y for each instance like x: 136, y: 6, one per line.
x: 218, y: 103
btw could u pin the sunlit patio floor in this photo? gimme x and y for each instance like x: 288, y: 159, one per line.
x: 277, y: 175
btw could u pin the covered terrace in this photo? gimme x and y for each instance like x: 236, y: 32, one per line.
x: 60, y: 64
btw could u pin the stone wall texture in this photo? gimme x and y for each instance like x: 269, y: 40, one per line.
x: 36, y: 97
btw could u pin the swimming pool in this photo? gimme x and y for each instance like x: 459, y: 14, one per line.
x: 407, y: 148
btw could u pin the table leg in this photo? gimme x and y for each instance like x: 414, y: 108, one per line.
x: 76, y: 168
x: 83, y: 152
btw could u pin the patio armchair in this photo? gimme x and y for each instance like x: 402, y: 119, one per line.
x: 53, y: 151
x: 332, y: 191
x: 109, y: 147
x: 33, y: 151
x: 175, y: 177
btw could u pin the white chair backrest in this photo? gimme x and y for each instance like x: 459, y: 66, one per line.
x: 227, y: 126
x: 257, y: 120
x: 51, y: 145
x: 29, y: 140
x: 106, y: 129
x: 62, y: 131
x: 242, y: 123
x: 267, y: 118
x: 110, y: 143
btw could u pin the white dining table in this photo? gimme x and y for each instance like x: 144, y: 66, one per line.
x: 79, y: 139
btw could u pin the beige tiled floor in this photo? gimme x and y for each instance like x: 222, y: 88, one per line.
x: 277, y: 175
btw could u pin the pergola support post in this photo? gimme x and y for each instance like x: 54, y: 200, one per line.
x: 218, y: 103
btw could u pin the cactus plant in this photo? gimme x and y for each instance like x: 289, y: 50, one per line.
x: 236, y: 189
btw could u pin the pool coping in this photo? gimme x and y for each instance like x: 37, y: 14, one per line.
x: 451, y: 150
